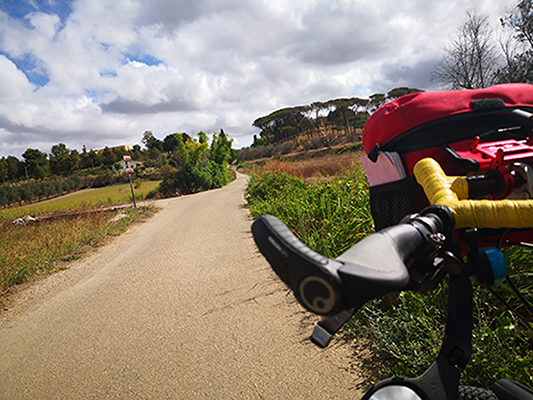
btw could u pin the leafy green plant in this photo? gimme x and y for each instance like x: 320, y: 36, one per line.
x: 200, y: 167
x: 329, y: 217
x: 151, y: 194
x: 137, y: 183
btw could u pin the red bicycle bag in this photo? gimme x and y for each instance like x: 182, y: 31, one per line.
x: 441, y: 125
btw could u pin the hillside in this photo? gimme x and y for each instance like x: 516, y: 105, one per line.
x: 345, y: 115
x: 333, y: 158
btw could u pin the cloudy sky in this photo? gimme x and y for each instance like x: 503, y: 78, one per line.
x: 101, y: 72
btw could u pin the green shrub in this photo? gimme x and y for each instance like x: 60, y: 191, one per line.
x: 231, y: 175
x: 200, y: 167
x: 151, y: 194
x: 104, y: 178
x: 193, y: 178
x: 329, y: 217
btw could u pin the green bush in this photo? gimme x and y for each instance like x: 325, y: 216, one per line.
x: 186, y: 180
x: 151, y: 194
x: 231, y: 175
x: 104, y: 178
x: 329, y: 217
x: 200, y: 167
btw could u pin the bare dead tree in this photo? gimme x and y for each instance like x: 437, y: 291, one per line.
x: 472, y: 59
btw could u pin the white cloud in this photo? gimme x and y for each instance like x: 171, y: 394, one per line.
x: 111, y: 70
x: 15, y: 84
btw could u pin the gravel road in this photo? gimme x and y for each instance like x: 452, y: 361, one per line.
x: 181, y: 307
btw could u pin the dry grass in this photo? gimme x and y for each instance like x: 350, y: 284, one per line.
x: 65, y: 228
x: 48, y: 245
x: 311, y: 169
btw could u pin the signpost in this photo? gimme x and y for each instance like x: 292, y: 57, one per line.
x: 129, y: 171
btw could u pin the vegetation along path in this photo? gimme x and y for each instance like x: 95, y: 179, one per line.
x: 181, y: 307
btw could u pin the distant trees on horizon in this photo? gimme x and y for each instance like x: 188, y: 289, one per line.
x: 345, y: 114
x: 185, y: 164
x: 62, y: 161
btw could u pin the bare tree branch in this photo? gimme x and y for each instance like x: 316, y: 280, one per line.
x: 472, y: 60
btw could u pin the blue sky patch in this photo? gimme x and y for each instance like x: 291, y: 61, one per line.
x: 31, y: 67
x: 95, y: 95
x: 108, y: 74
x: 18, y: 9
x: 143, y: 58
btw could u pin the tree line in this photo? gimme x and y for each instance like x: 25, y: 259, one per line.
x: 346, y: 114
x: 186, y: 164
x: 36, y: 191
x: 61, y: 161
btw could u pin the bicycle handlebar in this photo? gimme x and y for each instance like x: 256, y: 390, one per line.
x: 452, y: 191
x: 377, y: 265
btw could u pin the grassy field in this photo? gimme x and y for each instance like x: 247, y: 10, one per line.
x: 330, y: 213
x: 110, y: 195
x: 65, y: 229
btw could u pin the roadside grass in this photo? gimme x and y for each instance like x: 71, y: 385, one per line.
x: 328, y: 216
x: 406, y: 338
x: 65, y: 228
x: 106, y: 196
x: 331, y: 215
x: 48, y: 246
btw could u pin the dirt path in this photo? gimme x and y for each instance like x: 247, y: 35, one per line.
x: 181, y: 307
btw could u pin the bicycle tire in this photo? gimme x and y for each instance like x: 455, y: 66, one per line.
x: 475, y: 393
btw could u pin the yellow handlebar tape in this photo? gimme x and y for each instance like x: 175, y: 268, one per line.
x: 452, y: 191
